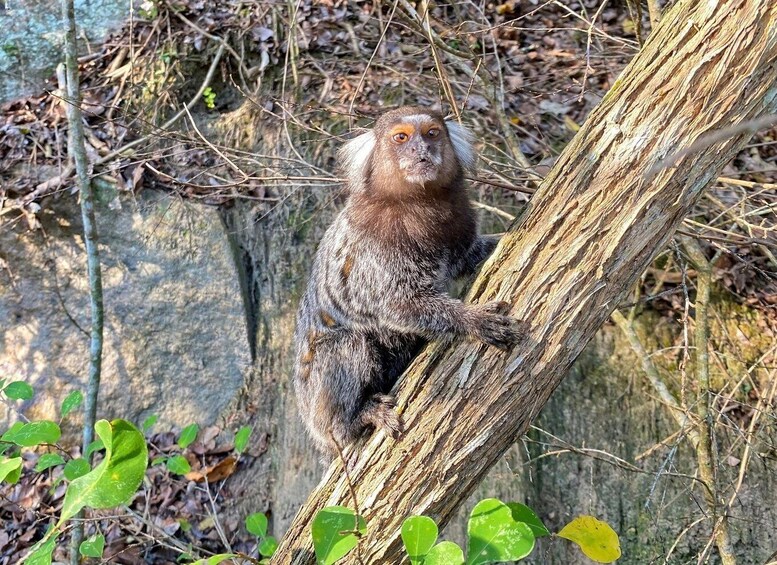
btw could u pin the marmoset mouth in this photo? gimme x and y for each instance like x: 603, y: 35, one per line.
x: 423, y: 166
x: 421, y: 173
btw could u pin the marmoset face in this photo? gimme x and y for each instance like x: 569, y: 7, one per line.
x: 411, y: 150
x: 418, y: 142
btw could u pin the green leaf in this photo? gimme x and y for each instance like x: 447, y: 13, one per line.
x: 184, y: 524
x: 216, y: 559
x: 257, y: 524
x: 10, y: 469
x: 445, y: 553
x: 34, y: 433
x: 494, y: 536
x: 418, y: 534
x: 268, y: 546
x: 18, y: 390
x: 332, y: 532
x: 241, y: 439
x: 76, y: 468
x: 48, y: 460
x: 149, y: 422
x: 12, y: 430
x: 522, y: 513
x: 178, y: 464
x: 116, y: 479
x: 596, y: 538
x: 96, y: 445
x: 93, y: 547
x: 188, y: 435
x: 71, y: 402
x: 40, y: 554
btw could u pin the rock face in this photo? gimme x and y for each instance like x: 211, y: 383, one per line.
x: 175, y: 330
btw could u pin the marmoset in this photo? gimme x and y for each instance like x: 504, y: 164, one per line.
x: 378, y: 289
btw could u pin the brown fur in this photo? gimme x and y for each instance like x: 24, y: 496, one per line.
x: 377, y: 290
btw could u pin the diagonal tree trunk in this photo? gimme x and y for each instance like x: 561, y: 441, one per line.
x: 608, y: 206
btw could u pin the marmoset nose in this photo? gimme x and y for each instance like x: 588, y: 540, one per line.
x: 420, y: 152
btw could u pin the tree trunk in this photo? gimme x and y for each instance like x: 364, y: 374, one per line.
x: 600, y: 216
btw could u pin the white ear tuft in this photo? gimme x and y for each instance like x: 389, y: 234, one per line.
x: 354, y: 158
x: 462, y: 140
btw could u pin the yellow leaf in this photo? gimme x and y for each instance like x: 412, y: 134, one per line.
x: 596, y: 538
x: 571, y: 124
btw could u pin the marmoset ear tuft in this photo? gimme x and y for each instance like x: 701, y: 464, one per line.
x: 462, y: 140
x: 355, y: 158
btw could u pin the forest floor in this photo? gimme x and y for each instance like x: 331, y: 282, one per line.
x: 551, y: 64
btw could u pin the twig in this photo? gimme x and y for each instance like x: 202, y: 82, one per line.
x: 491, y: 182
x: 588, y: 50
x: 493, y: 210
x: 464, y: 61
x: 441, y: 74
x: 695, y: 224
x: 704, y: 456
x: 352, y: 490
x: 215, y: 149
x: 654, y: 11
x: 654, y: 378
x: 763, y: 402
x: 747, y: 183
x: 216, y: 522
x: 707, y: 140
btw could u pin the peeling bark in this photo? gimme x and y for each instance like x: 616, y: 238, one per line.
x: 592, y: 228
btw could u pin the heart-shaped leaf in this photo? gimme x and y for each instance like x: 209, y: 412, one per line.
x: 494, y: 536
x: 188, y: 435
x: 10, y: 469
x: 268, y: 546
x: 257, y: 524
x: 149, y: 422
x: 93, y: 547
x: 76, y: 468
x: 71, y: 402
x: 522, y: 513
x: 241, y: 439
x: 418, y: 534
x: 178, y: 464
x: 596, y: 538
x: 116, y: 479
x: 18, y: 390
x: 48, y: 460
x: 445, y: 553
x: 333, y: 533
x: 34, y: 433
